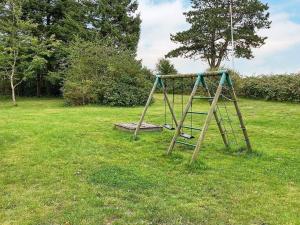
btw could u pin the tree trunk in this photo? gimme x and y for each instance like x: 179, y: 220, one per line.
x: 13, y: 94
x: 12, y: 77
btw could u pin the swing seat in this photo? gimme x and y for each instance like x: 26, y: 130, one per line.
x: 131, y: 127
x: 168, y: 127
x: 187, y: 136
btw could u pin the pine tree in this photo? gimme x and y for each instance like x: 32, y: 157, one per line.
x: 210, y: 33
x: 115, y: 21
x: 165, y: 67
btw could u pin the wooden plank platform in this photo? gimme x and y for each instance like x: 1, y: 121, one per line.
x: 145, y: 127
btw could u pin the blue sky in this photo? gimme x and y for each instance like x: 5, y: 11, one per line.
x: 279, y: 55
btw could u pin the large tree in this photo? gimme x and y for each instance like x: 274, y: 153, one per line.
x: 115, y: 21
x: 209, y: 36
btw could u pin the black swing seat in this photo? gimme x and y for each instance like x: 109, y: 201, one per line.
x: 168, y: 127
x: 187, y: 136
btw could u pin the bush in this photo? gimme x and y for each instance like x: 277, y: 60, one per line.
x: 274, y: 87
x: 102, y: 74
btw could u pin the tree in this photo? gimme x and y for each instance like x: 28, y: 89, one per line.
x: 115, y: 20
x: 103, y: 74
x: 210, y: 33
x: 65, y: 20
x: 15, y: 44
x: 58, y: 21
x: 165, y: 67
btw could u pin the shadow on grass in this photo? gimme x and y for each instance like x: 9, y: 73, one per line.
x: 197, y: 167
x: 174, y: 158
x: 241, y: 152
x: 178, y: 159
x: 120, y: 178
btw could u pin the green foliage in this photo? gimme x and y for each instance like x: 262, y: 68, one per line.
x: 58, y: 23
x: 102, y: 74
x: 210, y: 34
x: 15, y: 40
x: 165, y: 67
x: 114, y: 20
x: 273, y: 87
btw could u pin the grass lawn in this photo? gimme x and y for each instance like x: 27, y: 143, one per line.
x: 64, y: 165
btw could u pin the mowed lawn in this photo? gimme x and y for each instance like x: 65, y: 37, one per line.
x: 67, y: 165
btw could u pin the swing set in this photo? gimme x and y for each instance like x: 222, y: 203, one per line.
x: 216, y: 95
x: 214, y: 99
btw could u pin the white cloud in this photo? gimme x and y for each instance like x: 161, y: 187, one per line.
x: 283, y: 34
x: 159, y: 20
x: 279, y: 54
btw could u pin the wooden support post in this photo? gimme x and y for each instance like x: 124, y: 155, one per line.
x: 239, y: 114
x: 208, y: 120
x: 188, y: 105
x: 224, y: 138
x: 146, y: 108
x: 168, y: 103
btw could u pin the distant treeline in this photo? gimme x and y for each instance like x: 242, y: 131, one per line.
x: 284, y: 87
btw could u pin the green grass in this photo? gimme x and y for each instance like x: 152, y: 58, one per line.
x: 63, y: 165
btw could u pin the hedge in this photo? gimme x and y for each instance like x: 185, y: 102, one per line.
x: 273, y: 87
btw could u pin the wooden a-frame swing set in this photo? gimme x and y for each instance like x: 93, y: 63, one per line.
x: 224, y: 79
x: 225, y: 82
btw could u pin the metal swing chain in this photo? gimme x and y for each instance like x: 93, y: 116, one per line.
x: 192, y: 110
x: 173, y: 98
x: 165, y: 101
x: 182, y: 90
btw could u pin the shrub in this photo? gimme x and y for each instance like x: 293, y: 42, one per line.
x: 274, y: 87
x: 102, y: 74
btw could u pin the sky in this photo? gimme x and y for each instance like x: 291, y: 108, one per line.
x: 280, y: 54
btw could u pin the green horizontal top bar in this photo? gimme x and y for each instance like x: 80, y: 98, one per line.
x: 205, y: 74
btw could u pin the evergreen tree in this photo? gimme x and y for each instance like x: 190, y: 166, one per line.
x: 116, y: 21
x: 165, y: 67
x: 210, y: 33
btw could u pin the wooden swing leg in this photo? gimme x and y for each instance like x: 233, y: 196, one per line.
x: 224, y: 138
x: 239, y: 114
x: 206, y: 124
x: 222, y: 132
x: 145, y: 109
x: 169, y: 104
x: 188, y: 105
